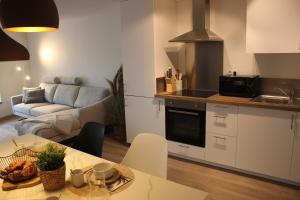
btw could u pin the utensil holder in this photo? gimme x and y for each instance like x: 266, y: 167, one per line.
x: 170, y: 84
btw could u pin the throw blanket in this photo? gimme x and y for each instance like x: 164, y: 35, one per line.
x: 61, y: 123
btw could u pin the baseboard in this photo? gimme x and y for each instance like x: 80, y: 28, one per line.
x: 8, y: 117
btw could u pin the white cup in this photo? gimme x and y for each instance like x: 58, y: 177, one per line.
x: 103, y: 170
x: 77, y: 178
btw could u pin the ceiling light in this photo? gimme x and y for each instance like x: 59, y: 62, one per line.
x: 19, y: 69
x: 29, y: 15
x: 27, y: 78
x: 11, y: 50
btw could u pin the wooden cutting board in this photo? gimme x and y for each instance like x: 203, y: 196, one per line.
x: 6, y: 186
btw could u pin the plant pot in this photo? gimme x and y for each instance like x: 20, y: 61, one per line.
x: 53, y: 180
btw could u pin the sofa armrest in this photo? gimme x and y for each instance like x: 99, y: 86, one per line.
x: 100, y: 112
x: 14, y: 100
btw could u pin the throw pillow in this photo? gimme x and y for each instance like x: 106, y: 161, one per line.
x: 25, y: 89
x: 34, y: 96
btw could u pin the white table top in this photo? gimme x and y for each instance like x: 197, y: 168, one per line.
x: 144, y: 187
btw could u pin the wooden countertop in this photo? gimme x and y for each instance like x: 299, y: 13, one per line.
x: 238, y: 101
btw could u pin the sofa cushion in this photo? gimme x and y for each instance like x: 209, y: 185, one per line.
x: 48, y: 109
x: 34, y: 96
x: 66, y: 94
x: 25, y: 90
x: 49, y: 91
x: 90, y: 95
x: 25, y: 108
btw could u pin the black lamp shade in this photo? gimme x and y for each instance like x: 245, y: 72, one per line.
x: 29, y: 15
x: 11, y: 50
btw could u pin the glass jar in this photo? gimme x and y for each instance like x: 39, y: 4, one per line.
x: 98, y: 189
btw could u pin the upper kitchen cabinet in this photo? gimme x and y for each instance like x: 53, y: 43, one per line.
x: 273, y: 26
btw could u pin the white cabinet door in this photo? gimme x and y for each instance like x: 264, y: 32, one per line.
x: 295, y: 169
x: 220, y: 149
x: 138, y: 47
x: 221, y: 119
x: 265, y: 141
x: 144, y: 115
x: 273, y: 26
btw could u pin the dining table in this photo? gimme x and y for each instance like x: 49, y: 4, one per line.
x: 144, y: 186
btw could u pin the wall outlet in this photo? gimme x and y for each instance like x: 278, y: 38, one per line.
x: 231, y: 71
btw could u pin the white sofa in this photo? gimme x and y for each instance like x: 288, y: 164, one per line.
x: 85, y: 104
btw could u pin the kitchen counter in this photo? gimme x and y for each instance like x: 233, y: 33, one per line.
x: 239, y: 101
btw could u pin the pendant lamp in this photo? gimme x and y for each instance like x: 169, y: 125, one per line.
x: 29, y: 15
x: 11, y: 50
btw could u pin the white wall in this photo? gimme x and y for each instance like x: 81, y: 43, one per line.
x: 228, y: 19
x: 88, y: 43
x: 11, y: 80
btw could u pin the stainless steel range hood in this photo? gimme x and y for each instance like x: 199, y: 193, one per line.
x: 201, y: 25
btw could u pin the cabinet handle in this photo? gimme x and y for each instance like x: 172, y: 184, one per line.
x: 183, y: 112
x: 218, y: 116
x: 219, y: 106
x: 218, y: 137
x: 183, y: 146
x: 159, y: 106
x: 292, y: 122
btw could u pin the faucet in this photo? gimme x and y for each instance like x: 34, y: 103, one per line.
x: 291, y: 96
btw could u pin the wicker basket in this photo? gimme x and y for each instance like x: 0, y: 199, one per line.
x: 20, y: 155
x: 53, y: 180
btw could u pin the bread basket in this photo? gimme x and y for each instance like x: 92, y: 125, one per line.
x: 20, y: 155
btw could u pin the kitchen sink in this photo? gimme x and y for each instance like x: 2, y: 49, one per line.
x: 275, y: 99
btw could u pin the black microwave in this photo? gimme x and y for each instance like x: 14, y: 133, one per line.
x: 239, y: 86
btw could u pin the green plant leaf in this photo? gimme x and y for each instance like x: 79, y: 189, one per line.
x: 52, y: 158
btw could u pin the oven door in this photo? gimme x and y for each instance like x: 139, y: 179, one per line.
x: 185, y: 126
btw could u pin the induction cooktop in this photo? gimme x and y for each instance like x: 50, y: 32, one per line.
x: 194, y: 93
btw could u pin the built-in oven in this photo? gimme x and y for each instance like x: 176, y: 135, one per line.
x: 185, y: 122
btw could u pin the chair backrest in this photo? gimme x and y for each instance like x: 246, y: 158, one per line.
x: 148, y: 153
x: 90, y: 139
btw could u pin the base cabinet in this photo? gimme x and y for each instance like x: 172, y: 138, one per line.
x: 144, y: 115
x: 220, y: 149
x: 186, y: 150
x: 221, y: 132
x: 265, y: 141
x: 295, y: 169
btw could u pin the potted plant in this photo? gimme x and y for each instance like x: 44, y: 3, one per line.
x: 51, y: 167
x: 118, y: 107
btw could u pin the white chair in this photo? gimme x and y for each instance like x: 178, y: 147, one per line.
x: 148, y: 153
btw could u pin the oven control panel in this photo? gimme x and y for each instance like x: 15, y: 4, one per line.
x: 185, y: 104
